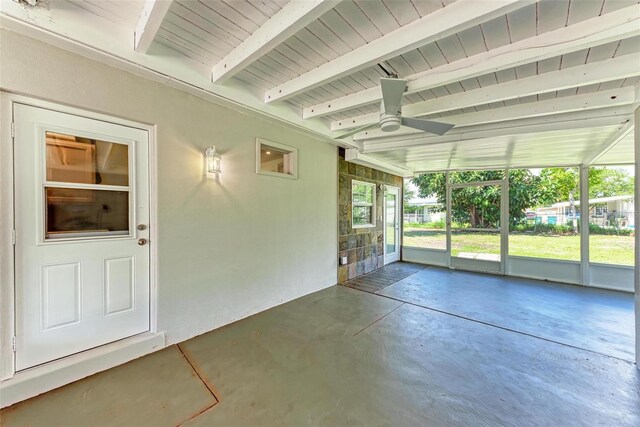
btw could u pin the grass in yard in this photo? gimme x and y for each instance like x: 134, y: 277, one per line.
x: 602, y: 248
x: 611, y: 249
x: 475, y: 242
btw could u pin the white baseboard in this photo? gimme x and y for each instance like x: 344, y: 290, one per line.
x: 40, y: 379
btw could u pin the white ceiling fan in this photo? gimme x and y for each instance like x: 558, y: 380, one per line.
x: 391, y: 116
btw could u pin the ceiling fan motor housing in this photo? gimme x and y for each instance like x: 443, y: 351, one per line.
x: 390, y: 122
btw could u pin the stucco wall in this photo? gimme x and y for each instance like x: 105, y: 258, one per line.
x: 226, y: 250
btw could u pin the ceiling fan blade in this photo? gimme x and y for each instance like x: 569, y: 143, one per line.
x: 357, y: 130
x: 392, y: 92
x: 438, y: 128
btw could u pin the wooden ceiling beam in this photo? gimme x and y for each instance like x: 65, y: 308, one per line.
x: 612, y: 116
x: 99, y: 39
x: 293, y: 17
x: 151, y: 18
x: 566, y: 104
x: 582, y: 75
x: 446, y: 21
x: 620, y: 24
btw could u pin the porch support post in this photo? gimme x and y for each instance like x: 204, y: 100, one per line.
x: 504, y: 223
x: 636, y: 279
x: 448, y: 218
x: 584, y: 225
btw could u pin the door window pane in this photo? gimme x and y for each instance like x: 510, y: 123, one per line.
x: 86, y: 161
x: 391, y: 224
x: 78, y: 212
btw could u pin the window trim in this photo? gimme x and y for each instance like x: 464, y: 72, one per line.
x: 292, y: 158
x: 372, y: 224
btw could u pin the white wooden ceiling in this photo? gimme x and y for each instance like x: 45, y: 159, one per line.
x: 527, y: 83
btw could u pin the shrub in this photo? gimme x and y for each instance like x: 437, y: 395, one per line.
x: 596, y: 229
x: 559, y: 229
x: 440, y: 225
x: 548, y: 229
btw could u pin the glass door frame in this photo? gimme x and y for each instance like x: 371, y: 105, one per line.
x: 481, y: 265
x: 394, y: 256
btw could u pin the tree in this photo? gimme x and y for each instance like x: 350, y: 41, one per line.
x: 407, y: 195
x: 611, y: 182
x: 559, y: 183
x: 479, y: 206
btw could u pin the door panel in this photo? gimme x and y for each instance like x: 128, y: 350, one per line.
x: 82, y: 279
x: 392, y: 224
x: 60, y: 296
x: 119, y: 280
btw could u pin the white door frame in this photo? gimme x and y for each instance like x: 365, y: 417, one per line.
x: 476, y: 265
x: 7, y: 221
x: 398, y: 222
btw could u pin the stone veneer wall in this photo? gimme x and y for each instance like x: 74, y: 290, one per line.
x: 363, y: 247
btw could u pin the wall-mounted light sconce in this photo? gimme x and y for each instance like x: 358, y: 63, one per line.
x: 382, y: 187
x: 212, y: 161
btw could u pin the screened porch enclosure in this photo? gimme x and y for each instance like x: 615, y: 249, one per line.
x: 527, y: 223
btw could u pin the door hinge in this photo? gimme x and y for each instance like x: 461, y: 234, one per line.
x: 13, y: 130
x: 13, y: 344
x: 13, y: 237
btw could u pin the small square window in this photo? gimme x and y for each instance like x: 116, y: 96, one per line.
x: 276, y: 159
x: 363, y: 204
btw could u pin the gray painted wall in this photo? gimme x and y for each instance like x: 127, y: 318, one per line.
x: 226, y: 250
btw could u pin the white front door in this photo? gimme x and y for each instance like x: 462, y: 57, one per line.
x: 82, y: 229
x: 392, y: 224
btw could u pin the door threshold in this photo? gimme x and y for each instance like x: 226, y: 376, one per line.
x: 40, y: 379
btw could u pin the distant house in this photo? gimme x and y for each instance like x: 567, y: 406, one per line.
x: 425, y: 210
x: 614, y: 211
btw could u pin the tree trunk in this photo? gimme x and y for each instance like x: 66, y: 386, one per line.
x: 473, y: 217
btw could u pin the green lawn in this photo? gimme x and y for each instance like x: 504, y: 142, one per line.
x: 604, y: 249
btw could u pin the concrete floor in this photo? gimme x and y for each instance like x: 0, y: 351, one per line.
x: 346, y: 357
x: 592, y: 319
